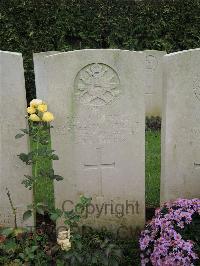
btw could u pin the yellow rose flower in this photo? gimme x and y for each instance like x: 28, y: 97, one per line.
x: 34, y: 118
x: 47, y: 117
x: 31, y: 110
x: 42, y: 108
x: 35, y: 102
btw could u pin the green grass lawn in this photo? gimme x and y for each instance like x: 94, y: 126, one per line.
x: 152, y: 171
x: 44, y: 186
x: 45, y: 189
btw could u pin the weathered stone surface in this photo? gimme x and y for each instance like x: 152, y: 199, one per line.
x: 39, y: 68
x: 12, y: 118
x: 180, y: 175
x: 153, y: 78
x: 153, y: 82
x: 97, y: 97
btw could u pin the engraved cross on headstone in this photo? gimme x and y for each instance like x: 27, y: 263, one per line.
x: 99, y: 166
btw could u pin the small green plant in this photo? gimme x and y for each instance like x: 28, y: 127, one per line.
x: 18, y: 247
x: 92, y: 248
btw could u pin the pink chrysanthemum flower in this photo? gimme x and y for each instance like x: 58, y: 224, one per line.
x: 161, y: 242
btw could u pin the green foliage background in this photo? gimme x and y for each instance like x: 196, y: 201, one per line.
x: 41, y: 25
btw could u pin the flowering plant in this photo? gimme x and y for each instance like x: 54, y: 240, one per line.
x: 38, y: 111
x: 173, y: 236
x: 38, y: 131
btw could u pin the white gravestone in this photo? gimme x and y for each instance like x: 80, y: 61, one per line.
x: 97, y: 97
x: 12, y: 118
x: 180, y: 173
x: 153, y: 78
x: 153, y: 82
x: 39, y: 68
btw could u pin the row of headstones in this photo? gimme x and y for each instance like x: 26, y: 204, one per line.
x: 153, y: 78
x: 97, y: 97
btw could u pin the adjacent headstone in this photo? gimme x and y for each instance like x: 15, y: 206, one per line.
x: 39, y: 68
x: 97, y: 97
x: 180, y: 177
x: 153, y: 82
x: 12, y: 119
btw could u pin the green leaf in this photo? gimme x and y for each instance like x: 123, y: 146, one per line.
x: 7, y: 231
x: 60, y: 263
x: 28, y: 177
x: 67, y: 222
x: 27, y: 215
x: 31, y: 256
x: 51, y: 173
x: 84, y: 200
x: 24, y: 130
x: 10, y: 246
x: 27, y: 183
x: 18, y: 136
x: 30, y: 155
x: 54, y: 157
x: 113, y: 262
x: 79, y: 245
x: 23, y: 157
x: 34, y: 248
x: 58, y: 177
x: 54, y: 217
x: 55, y: 214
x: 94, y: 260
x: 21, y: 255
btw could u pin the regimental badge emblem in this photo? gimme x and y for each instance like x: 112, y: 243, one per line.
x: 97, y: 85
